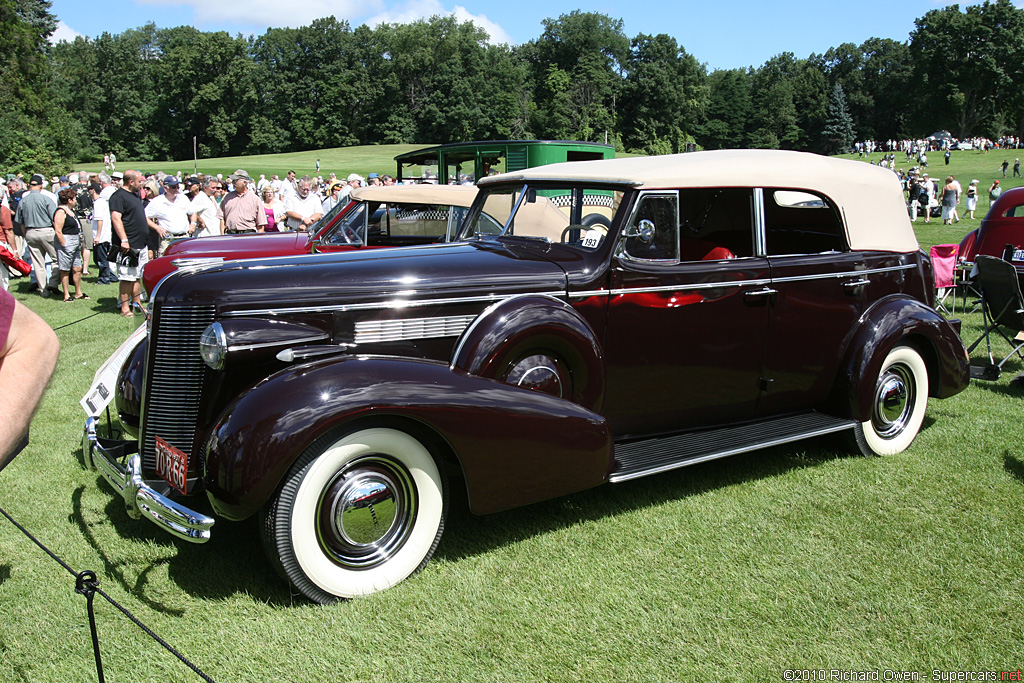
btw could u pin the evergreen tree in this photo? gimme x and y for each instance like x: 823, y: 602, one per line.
x: 838, y: 132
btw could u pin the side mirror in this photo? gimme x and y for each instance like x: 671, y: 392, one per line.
x: 643, y: 230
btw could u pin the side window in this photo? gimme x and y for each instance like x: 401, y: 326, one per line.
x: 418, y: 220
x: 349, y: 229
x: 1014, y: 212
x: 653, y: 231
x: 716, y: 223
x: 798, y: 222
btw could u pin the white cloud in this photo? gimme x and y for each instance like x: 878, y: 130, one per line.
x: 63, y: 32
x: 429, y: 8
x: 257, y: 15
x: 497, y: 33
x: 260, y: 14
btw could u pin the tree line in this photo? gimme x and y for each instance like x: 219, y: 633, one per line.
x: 145, y: 93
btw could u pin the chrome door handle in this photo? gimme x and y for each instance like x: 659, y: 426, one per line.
x: 755, y: 296
x: 856, y: 283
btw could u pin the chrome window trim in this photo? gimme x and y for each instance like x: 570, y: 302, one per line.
x: 620, y: 249
x: 523, y: 191
x: 760, y: 248
x: 387, y: 305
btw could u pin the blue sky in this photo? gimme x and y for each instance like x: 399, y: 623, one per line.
x: 722, y: 35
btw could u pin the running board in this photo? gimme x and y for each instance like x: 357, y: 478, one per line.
x: 651, y: 456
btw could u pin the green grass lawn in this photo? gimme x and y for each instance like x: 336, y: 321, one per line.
x: 339, y: 160
x: 804, y: 556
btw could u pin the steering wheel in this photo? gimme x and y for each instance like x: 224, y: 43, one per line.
x: 567, y: 230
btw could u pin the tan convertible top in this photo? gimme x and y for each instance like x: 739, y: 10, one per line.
x: 450, y: 195
x: 870, y: 198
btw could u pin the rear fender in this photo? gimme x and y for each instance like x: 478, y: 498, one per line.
x: 531, y: 324
x: 885, y: 325
x: 514, y: 446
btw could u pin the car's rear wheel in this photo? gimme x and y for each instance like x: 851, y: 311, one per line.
x: 356, y: 514
x: 898, y: 402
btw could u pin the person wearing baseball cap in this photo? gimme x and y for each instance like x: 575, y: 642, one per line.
x: 172, y: 213
x: 353, y: 182
x: 994, y: 191
x: 35, y: 213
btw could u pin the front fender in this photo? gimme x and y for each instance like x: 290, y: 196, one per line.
x: 128, y: 389
x: 514, y: 446
x: 888, y: 323
x: 516, y: 327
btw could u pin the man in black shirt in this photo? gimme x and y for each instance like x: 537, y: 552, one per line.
x: 128, y: 219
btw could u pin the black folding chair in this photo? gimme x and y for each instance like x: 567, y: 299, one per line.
x: 1002, y: 306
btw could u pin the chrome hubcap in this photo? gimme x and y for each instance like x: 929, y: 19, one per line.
x: 894, y: 400
x: 365, y: 509
x: 366, y: 512
x: 539, y: 373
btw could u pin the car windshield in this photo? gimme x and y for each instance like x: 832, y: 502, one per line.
x: 576, y: 215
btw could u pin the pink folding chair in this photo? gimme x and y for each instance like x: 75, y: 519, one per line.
x: 944, y: 268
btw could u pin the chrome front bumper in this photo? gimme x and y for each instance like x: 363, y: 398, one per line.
x: 140, y: 500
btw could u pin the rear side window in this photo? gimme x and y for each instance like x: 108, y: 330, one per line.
x: 1014, y: 212
x: 798, y: 222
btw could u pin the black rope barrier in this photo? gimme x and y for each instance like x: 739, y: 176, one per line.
x: 88, y: 585
x: 116, y: 304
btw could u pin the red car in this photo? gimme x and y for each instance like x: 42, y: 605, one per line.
x: 376, y: 217
x: 1004, y: 225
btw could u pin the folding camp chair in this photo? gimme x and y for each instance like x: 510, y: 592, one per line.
x: 1002, y: 306
x: 967, y: 287
x: 944, y: 271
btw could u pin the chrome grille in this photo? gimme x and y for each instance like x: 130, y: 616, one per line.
x: 173, y: 383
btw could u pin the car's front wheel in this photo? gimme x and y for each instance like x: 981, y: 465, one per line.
x: 356, y: 514
x: 898, y: 402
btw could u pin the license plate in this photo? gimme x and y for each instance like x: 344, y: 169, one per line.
x: 171, y: 464
x: 1018, y: 254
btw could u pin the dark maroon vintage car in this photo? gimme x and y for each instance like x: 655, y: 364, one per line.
x: 597, y: 322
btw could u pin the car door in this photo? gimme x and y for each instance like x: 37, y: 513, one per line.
x: 688, y: 313
x: 821, y: 289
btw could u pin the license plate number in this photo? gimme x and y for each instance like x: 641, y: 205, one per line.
x: 171, y: 464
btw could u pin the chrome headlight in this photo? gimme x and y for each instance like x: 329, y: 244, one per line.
x: 213, y: 346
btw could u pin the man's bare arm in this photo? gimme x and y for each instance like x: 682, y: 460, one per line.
x: 26, y: 364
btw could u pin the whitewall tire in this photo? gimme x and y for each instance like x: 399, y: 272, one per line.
x: 898, y: 402
x: 357, y: 516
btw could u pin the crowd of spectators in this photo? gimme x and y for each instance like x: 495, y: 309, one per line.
x: 928, y: 196
x: 118, y: 220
